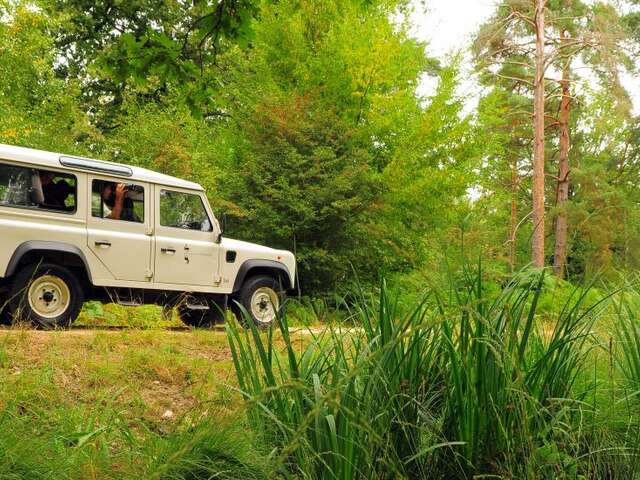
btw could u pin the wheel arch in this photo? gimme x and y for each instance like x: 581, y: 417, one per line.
x: 251, y: 268
x: 57, y: 252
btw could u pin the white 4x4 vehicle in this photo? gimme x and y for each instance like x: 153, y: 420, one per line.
x: 75, y: 229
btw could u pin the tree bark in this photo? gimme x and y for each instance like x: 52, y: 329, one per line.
x: 562, y: 195
x: 537, y: 242
x: 513, y: 224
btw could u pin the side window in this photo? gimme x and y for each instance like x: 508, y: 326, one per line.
x: 36, y: 188
x: 117, y: 201
x: 183, y: 210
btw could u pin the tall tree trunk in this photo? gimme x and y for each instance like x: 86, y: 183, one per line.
x: 537, y: 243
x: 513, y: 224
x: 562, y: 195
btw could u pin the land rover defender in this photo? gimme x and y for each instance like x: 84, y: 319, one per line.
x: 74, y: 229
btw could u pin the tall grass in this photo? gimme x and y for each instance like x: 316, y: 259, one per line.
x: 628, y: 334
x: 209, y: 450
x: 340, y: 405
x: 625, y: 353
x: 465, y: 384
x: 510, y: 377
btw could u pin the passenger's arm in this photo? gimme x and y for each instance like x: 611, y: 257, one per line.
x: 37, y: 195
x: 116, y: 213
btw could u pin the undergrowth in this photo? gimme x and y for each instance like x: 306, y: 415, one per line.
x: 471, y: 382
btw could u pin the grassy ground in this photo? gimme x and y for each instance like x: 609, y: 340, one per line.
x: 126, y: 393
x: 143, y: 374
x: 101, y: 402
x: 476, y: 383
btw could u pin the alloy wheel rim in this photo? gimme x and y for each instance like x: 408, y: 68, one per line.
x: 264, y: 305
x: 49, y: 296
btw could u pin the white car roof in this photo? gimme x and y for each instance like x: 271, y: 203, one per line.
x: 53, y: 160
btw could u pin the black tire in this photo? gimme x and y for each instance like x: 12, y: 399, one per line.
x: 5, y: 316
x: 73, y: 296
x: 244, y: 299
x: 202, y: 318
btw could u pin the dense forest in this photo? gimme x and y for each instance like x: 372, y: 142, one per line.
x: 302, y: 121
x: 493, y: 330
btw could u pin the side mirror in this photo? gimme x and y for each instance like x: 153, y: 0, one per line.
x: 223, y: 226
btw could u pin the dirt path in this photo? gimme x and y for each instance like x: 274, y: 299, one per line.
x: 88, y: 331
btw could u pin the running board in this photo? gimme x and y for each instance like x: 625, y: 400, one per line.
x: 192, y: 306
x: 129, y: 303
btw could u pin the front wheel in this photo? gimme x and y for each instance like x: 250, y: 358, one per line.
x: 260, y: 297
x: 47, y: 295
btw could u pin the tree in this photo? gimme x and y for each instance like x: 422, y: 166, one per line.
x: 324, y: 101
x: 537, y: 242
x: 562, y: 191
x: 572, y: 29
x: 593, y: 34
x: 510, y: 53
x: 427, y: 180
x: 504, y: 128
x: 147, y: 50
x: 304, y: 185
x: 36, y: 108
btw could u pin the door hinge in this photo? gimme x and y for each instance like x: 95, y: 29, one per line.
x: 217, y: 279
x: 148, y: 274
x: 149, y: 231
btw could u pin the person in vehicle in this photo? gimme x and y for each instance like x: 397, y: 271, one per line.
x: 114, y: 196
x: 55, y: 193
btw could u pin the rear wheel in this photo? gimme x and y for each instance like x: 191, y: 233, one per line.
x: 196, y: 314
x: 5, y: 317
x: 47, y: 295
x: 260, y: 297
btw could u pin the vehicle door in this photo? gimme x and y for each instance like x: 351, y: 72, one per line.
x: 120, y: 227
x: 186, y: 250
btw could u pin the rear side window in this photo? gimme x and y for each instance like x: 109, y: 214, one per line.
x: 183, y: 210
x: 36, y: 188
x: 117, y: 201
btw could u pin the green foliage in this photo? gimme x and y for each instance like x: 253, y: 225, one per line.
x: 147, y: 49
x: 36, y: 108
x: 429, y: 174
x: 304, y: 182
x: 299, y: 118
x: 471, y: 382
x: 503, y: 53
x: 509, y: 377
x: 336, y: 107
x: 627, y: 326
x: 343, y: 407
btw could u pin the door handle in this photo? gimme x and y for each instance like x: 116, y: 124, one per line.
x: 103, y: 243
x: 168, y: 251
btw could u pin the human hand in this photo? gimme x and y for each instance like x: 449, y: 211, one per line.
x: 121, y: 190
